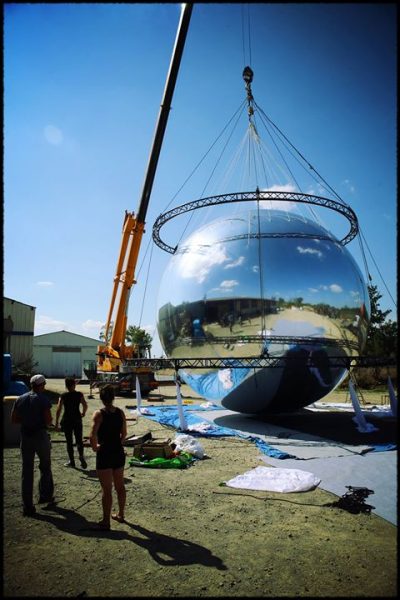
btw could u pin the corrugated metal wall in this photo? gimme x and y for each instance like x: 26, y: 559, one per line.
x: 18, y: 327
x: 61, y: 354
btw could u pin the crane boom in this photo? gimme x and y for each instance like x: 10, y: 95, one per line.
x: 115, y: 351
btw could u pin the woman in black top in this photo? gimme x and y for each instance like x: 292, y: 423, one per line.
x: 106, y: 438
x: 71, y: 421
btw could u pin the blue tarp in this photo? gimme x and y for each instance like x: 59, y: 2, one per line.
x: 381, y: 448
x: 168, y: 415
x: 216, y: 384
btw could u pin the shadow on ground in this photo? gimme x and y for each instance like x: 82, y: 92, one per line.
x: 164, y: 549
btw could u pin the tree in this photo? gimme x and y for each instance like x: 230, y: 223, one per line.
x: 102, y: 334
x: 382, y: 333
x: 140, y: 337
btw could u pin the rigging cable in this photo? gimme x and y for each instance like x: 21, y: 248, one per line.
x: 145, y: 287
x: 248, y: 34
x: 260, y: 266
x: 205, y: 155
x: 248, y: 28
x: 212, y: 173
x: 377, y: 268
x: 257, y: 139
x: 299, y: 153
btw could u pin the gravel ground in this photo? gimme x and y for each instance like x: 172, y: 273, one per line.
x: 186, y: 535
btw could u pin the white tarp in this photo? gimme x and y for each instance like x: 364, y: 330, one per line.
x: 275, y: 480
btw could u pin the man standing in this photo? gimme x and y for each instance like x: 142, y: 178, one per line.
x: 71, y: 421
x: 32, y: 411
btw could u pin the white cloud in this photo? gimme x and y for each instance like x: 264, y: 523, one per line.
x: 53, y: 135
x: 229, y: 283
x: 45, y: 324
x: 279, y: 204
x: 313, y: 290
x: 197, y: 266
x: 303, y: 250
x: 334, y: 287
x: 44, y: 283
x: 350, y: 187
x: 226, y: 286
x: 255, y: 268
x: 89, y: 326
x: 287, y: 187
x: 235, y: 263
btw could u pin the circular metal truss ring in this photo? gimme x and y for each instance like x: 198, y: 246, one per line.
x: 301, y: 198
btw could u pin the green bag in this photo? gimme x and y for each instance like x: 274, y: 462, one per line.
x: 181, y: 461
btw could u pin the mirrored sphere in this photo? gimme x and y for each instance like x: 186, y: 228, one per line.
x: 263, y: 283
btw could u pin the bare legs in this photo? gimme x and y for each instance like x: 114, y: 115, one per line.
x: 118, y: 476
x: 107, y: 477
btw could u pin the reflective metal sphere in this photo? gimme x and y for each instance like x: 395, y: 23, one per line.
x: 263, y: 283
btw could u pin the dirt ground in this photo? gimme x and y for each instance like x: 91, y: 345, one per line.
x: 186, y: 535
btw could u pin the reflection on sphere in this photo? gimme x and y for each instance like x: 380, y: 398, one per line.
x: 264, y: 283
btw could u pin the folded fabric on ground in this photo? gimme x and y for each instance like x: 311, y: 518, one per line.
x: 275, y: 480
x: 168, y: 415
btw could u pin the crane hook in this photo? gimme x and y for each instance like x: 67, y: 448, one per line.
x: 247, y: 75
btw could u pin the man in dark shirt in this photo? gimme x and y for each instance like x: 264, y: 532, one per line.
x: 32, y: 411
x: 72, y: 420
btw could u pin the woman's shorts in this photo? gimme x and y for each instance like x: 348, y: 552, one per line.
x: 110, y: 460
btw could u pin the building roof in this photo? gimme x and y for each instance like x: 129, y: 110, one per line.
x: 18, y: 302
x: 69, y: 334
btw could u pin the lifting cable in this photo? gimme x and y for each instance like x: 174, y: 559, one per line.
x: 147, y: 280
x: 248, y: 34
x: 213, y: 171
x: 258, y: 141
x: 302, y: 157
x: 377, y: 268
x: 361, y: 236
x: 237, y: 114
x: 260, y: 266
x: 240, y: 109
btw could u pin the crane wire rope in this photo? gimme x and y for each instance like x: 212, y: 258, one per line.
x: 237, y: 114
x: 361, y: 237
x: 260, y: 268
x: 248, y: 41
x: 205, y: 155
x: 147, y: 280
x: 377, y: 268
x: 212, y: 172
x: 238, y: 110
x: 318, y: 181
x: 301, y: 156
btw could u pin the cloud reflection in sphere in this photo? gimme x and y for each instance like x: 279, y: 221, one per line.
x: 263, y: 283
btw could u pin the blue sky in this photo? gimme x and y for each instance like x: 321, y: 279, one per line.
x: 82, y: 88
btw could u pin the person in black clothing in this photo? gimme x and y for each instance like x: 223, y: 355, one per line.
x: 32, y: 412
x: 71, y: 422
x: 107, y: 436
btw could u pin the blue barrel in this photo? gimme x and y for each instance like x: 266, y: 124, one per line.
x: 6, y: 369
x: 16, y: 388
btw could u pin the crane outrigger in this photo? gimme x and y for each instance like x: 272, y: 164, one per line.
x: 114, y: 354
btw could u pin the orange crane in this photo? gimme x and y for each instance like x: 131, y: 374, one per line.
x: 114, y: 354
